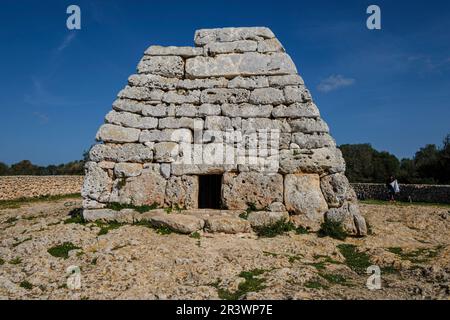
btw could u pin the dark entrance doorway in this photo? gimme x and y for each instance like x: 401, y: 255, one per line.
x: 209, y: 193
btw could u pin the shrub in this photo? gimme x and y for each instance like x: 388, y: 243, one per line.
x: 332, y: 229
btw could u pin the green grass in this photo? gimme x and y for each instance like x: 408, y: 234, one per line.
x: 335, y: 278
x: 195, y: 235
x: 355, y: 260
x: 421, y: 255
x: 401, y: 203
x: 106, y: 227
x: 62, y: 251
x: 15, y: 261
x: 26, y: 285
x: 163, y: 230
x: 315, y: 285
x: 141, y: 209
x: 301, y: 230
x: 17, y: 203
x: 252, y: 283
x: 2, y: 262
x: 332, y: 229
x: 11, y: 220
x: 273, y: 230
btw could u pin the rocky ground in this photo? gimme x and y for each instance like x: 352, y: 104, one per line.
x: 409, y: 243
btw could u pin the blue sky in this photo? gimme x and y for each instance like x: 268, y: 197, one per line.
x: 390, y: 87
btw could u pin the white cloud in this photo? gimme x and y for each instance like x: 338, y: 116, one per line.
x: 66, y: 41
x: 334, y: 82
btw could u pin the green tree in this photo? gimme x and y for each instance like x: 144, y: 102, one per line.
x: 3, y: 169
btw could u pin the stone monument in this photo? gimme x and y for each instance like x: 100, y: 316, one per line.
x: 217, y: 129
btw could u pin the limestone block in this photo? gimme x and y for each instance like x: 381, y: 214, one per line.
x: 159, y: 110
x: 166, y: 151
x: 296, y: 110
x: 246, y: 110
x: 297, y: 94
x: 270, y: 45
x: 349, y: 217
x: 165, y: 170
x: 302, y: 196
x: 241, y: 190
x: 166, y: 135
x: 266, y: 218
x: 131, y: 120
x: 336, y: 190
x: 179, y: 169
x: 218, y: 123
x: 178, y: 222
x: 204, y: 36
x: 223, y: 95
x: 307, y: 125
x: 313, y: 141
x: 113, y: 133
x: 226, y: 224
x: 246, y: 64
x: 267, y: 96
x: 191, y: 84
x: 183, y: 122
x: 207, y: 109
x: 277, y: 207
x: 97, y: 183
x: 322, y: 160
x: 174, y: 51
x: 249, y: 82
x: 257, y: 124
x: 240, y: 46
x: 286, y: 80
x: 167, y: 66
x: 182, y: 191
x: 128, y: 152
x: 92, y: 204
x: 182, y: 96
x: 128, y: 105
x: 153, y: 81
x: 147, y: 189
x: 141, y: 94
x: 124, y: 169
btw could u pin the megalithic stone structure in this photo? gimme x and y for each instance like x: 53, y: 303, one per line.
x: 231, y: 111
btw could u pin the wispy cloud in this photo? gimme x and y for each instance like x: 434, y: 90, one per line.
x: 42, y: 118
x: 334, y: 82
x: 66, y: 41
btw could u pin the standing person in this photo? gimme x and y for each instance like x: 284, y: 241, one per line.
x: 393, y: 188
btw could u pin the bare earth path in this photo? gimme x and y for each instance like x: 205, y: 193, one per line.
x: 409, y: 243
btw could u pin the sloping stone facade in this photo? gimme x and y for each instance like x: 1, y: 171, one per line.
x: 233, y: 105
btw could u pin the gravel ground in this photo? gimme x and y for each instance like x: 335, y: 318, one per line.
x: 409, y: 243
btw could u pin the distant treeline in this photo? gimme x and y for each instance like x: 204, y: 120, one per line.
x: 25, y: 167
x: 430, y: 165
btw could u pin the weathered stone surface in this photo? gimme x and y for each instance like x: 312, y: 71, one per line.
x: 297, y: 94
x: 266, y: 218
x: 286, y: 80
x: 307, y: 125
x: 174, y: 51
x: 167, y: 66
x: 204, y: 36
x: 159, y: 110
x: 227, y: 225
x: 113, y: 133
x: 131, y: 120
x: 276, y: 207
x: 183, y: 122
x: 166, y: 151
x: 218, y: 123
x: 270, y: 45
x: 248, y: 82
x: 246, y: 64
x: 256, y: 124
x: 267, y: 96
x: 153, y: 81
x: 147, y: 189
x: 350, y: 218
x: 182, y: 191
x: 246, y: 110
x: 165, y: 170
x: 166, y: 135
x: 336, y: 190
x: 320, y: 160
x: 141, y: 94
x: 128, y: 105
x: 129, y: 152
x: 239, y: 46
x: 103, y: 215
x: 223, y: 95
x: 191, y: 84
x: 240, y: 190
x: 127, y: 169
x: 296, y: 110
x: 178, y: 222
x: 182, y: 96
x: 92, y: 204
x: 97, y: 184
x: 302, y: 196
x: 179, y: 169
x: 313, y: 141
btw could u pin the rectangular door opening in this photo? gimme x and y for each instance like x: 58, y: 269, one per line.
x: 210, y: 191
